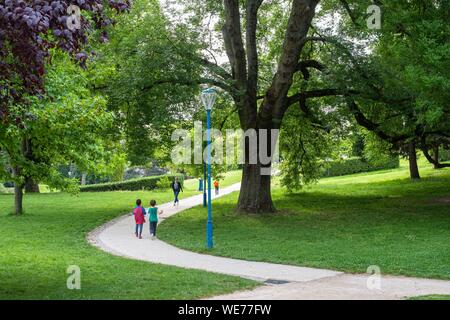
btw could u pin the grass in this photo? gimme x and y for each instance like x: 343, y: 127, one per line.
x: 343, y: 223
x: 37, y: 248
x: 229, y: 178
x: 431, y: 297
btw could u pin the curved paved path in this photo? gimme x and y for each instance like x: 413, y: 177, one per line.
x: 282, y: 281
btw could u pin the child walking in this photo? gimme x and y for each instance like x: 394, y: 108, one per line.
x: 139, y: 217
x: 153, y: 218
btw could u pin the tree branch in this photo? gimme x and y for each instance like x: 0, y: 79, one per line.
x: 190, y: 82
x: 430, y: 159
x: 226, y: 118
x: 210, y: 65
x: 273, y: 107
x: 350, y: 13
x: 216, y: 69
x: 305, y: 64
x: 363, y: 121
x: 233, y: 42
x: 316, y: 94
x: 251, y: 47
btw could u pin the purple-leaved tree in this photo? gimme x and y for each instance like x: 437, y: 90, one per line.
x: 29, y: 31
x: 30, y: 28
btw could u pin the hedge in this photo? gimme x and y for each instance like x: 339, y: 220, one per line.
x: 356, y: 165
x: 147, y: 183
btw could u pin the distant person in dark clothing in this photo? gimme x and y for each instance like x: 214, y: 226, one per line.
x: 176, y: 187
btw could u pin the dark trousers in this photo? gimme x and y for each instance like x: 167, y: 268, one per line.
x: 176, y: 193
x: 153, y: 225
x: 139, y: 229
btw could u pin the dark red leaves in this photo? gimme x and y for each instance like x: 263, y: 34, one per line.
x: 23, y: 25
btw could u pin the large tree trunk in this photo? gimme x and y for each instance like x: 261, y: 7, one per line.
x: 436, y: 157
x: 18, y: 191
x: 255, y: 187
x: 18, y: 199
x: 255, y: 195
x: 412, y: 157
x: 31, y: 186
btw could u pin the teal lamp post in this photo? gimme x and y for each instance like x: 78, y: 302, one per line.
x: 208, y: 98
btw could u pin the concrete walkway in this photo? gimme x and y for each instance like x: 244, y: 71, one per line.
x: 280, y: 281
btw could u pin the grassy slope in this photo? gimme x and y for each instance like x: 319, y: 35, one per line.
x: 37, y: 248
x: 431, y: 297
x: 343, y: 223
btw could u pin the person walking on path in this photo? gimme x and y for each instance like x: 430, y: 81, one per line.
x: 139, y: 217
x: 176, y: 187
x: 153, y: 218
x: 216, y: 187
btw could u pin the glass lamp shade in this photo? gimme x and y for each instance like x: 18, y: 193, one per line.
x: 208, y: 98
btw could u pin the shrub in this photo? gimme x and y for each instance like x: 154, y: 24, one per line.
x: 444, y: 154
x: 357, y: 165
x: 163, y: 183
x: 3, y: 189
x: 147, y: 183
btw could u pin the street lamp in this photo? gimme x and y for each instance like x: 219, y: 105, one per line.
x: 208, y: 98
x: 204, y: 184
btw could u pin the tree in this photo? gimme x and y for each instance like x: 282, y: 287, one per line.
x: 29, y: 30
x: 278, y: 58
x: 400, y: 87
x: 66, y: 125
x: 260, y: 105
x: 140, y: 56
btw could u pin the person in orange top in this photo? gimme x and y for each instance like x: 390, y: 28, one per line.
x: 216, y: 186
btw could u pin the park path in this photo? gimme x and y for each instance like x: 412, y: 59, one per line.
x: 279, y: 281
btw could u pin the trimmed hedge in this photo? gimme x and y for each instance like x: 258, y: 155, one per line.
x: 356, y: 165
x: 444, y: 154
x: 147, y: 183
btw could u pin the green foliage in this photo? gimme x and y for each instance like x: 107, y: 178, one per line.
x: 357, y: 165
x: 148, y: 183
x: 444, y: 154
x: 69, y: 124
x: 400, y: 71
x: 151, y: 80
x: 301, y: 148
x: 116, y: 166
x: 163, y: 183
x: 376, y: 151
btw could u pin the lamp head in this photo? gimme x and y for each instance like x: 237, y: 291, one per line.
x: 208, y: 98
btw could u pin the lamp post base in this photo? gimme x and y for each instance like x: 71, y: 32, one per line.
x: 209, y: 242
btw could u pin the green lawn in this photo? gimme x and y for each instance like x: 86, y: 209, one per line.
x: 37, y: 248
x: 229, y: 178
x: 431, y: 297
x: 344, y: 223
